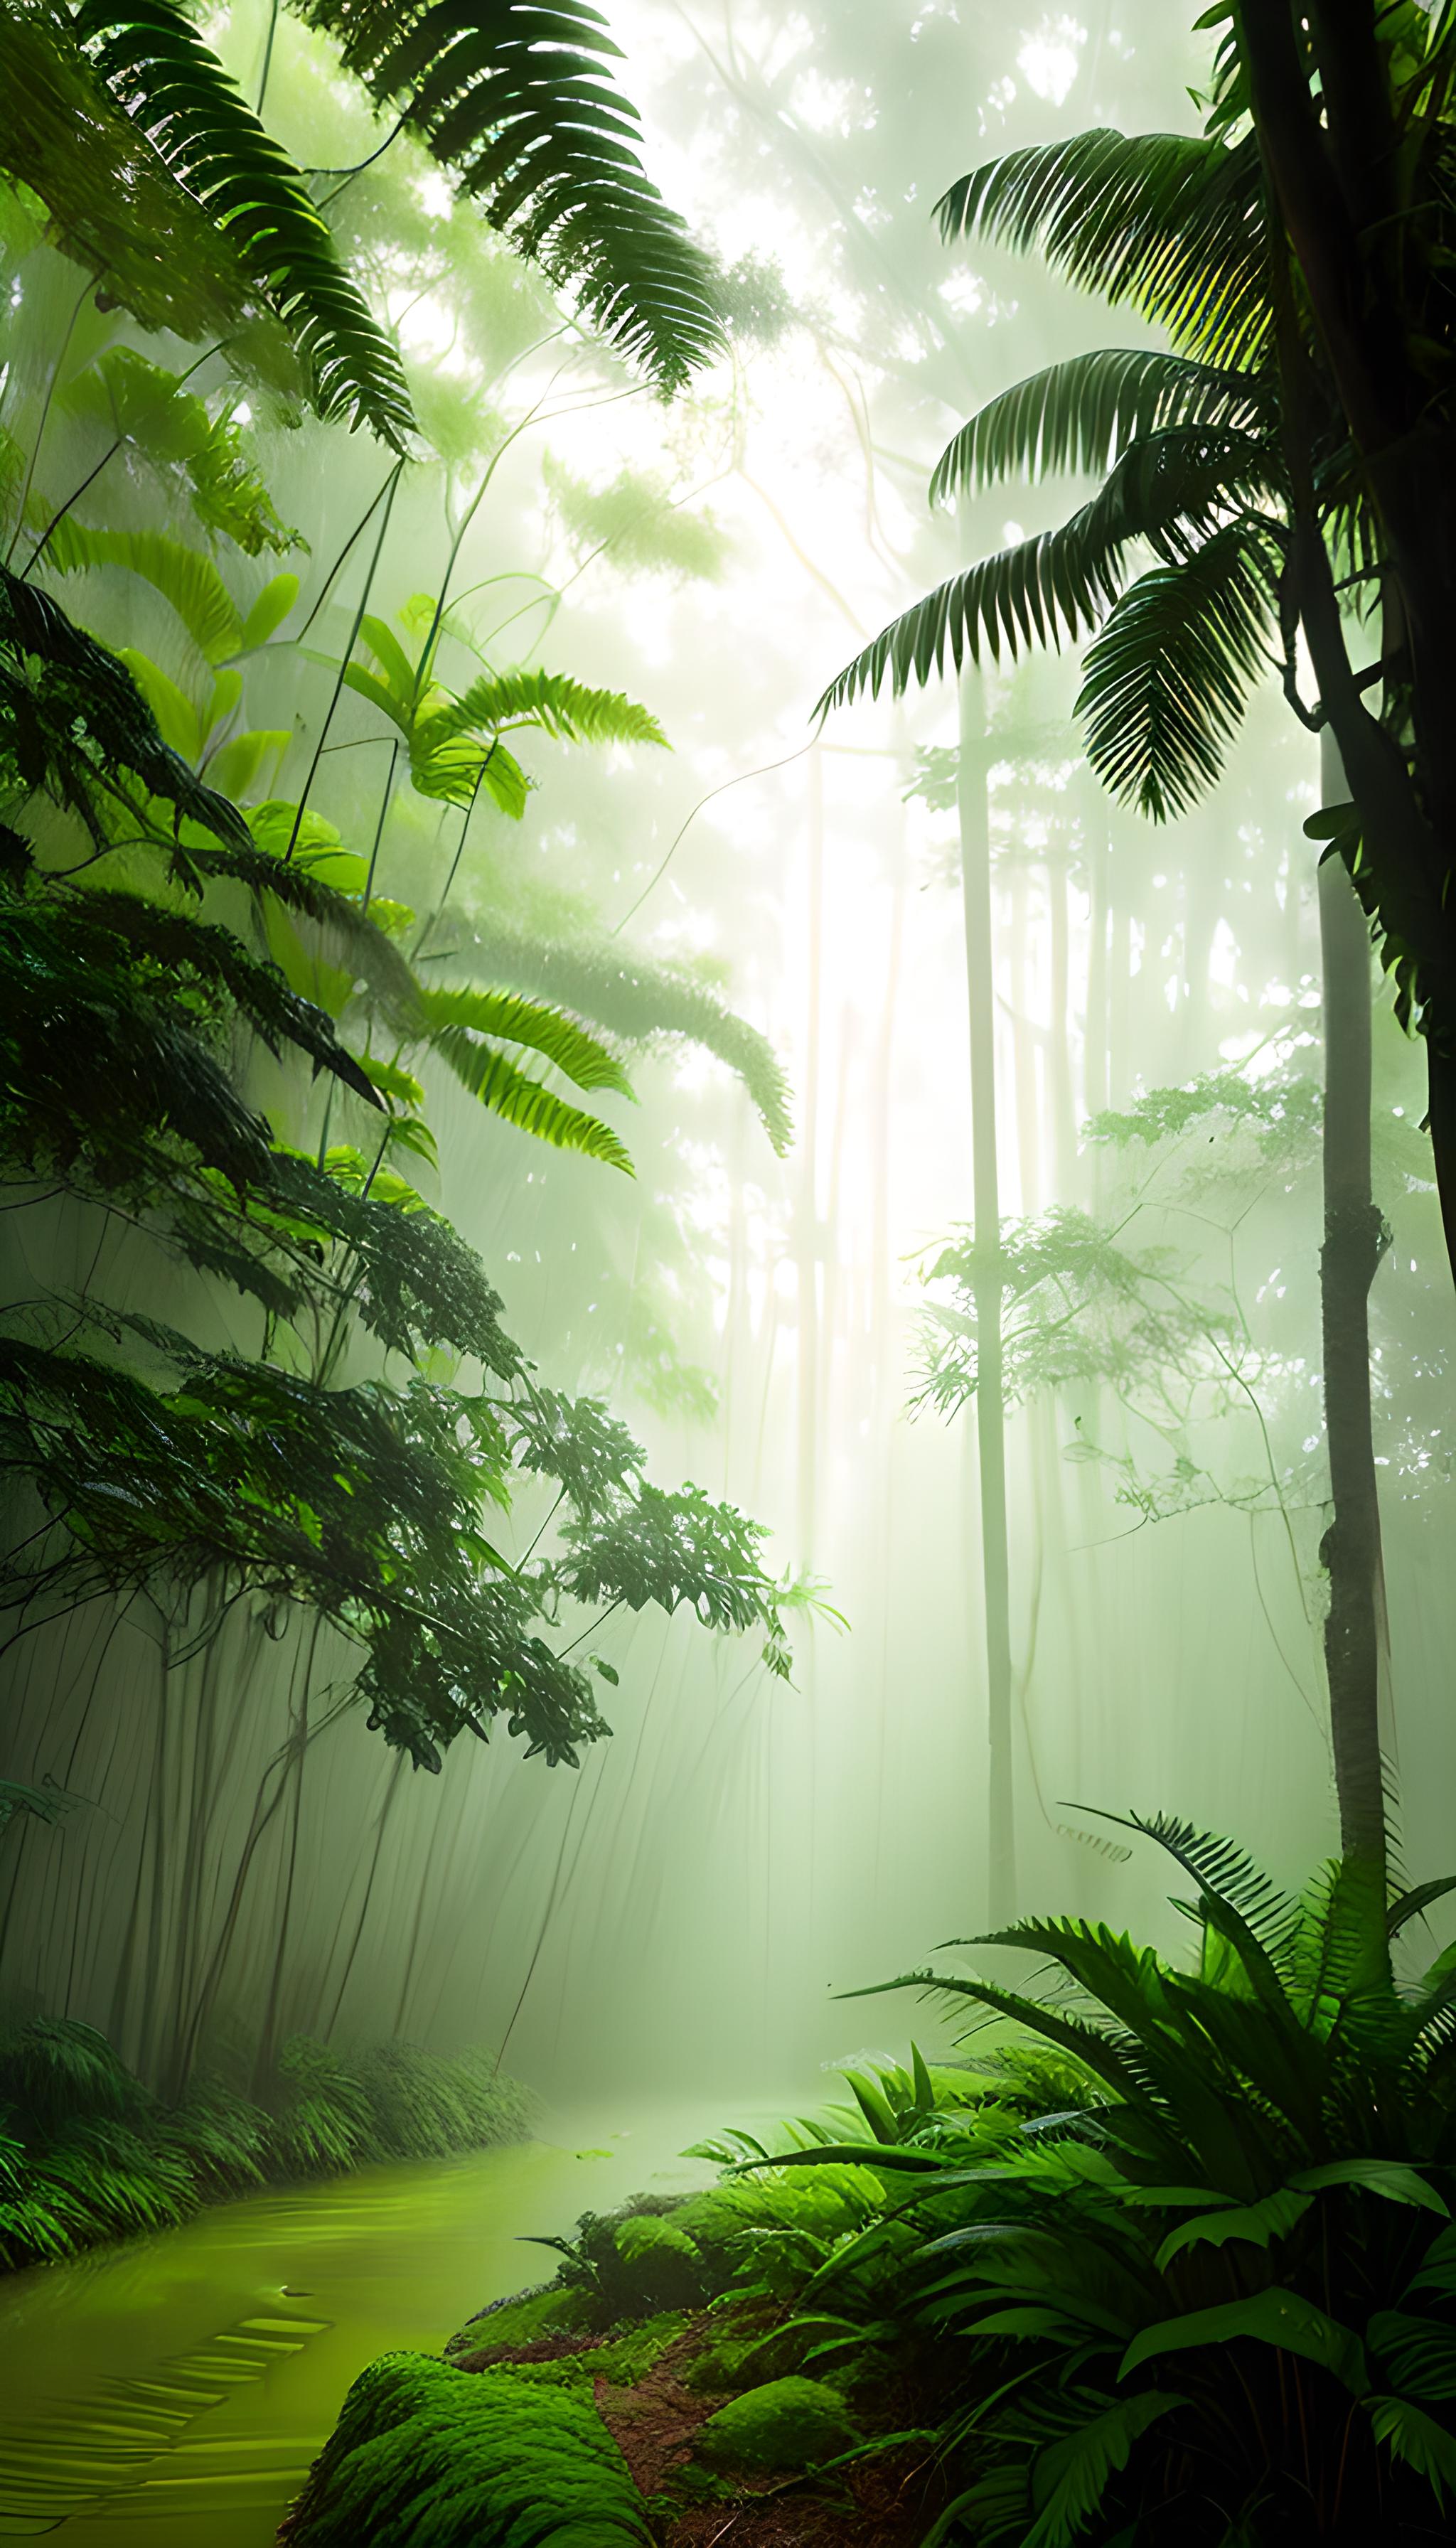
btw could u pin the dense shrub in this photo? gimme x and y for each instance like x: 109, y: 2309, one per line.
x: 88, y: 2154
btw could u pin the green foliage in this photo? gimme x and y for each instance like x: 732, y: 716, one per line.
x: 423, y: 2453
x: 790, y: 2423
x: 635, y: 520
x: 1239, y: 2185
x: 88, y: 2154
x: 173, y: 432
x: 517, y: 105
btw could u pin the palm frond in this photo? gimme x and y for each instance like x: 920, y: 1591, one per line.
x: 176, y: 92
x: 515, y: 101
x: 1082, y: 414
x: 586, y: 1062
x: 1168, y: 489
x: 1167, y: 682
x: 1171, y: 225
x: 640, y: 999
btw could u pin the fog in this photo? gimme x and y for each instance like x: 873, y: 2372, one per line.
x: 674, y: 1913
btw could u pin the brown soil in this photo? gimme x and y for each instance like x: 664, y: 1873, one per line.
x: 888, y: 2502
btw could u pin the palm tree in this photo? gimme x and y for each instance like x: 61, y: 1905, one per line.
x: 1231, y: 457
x: 1288, y: 458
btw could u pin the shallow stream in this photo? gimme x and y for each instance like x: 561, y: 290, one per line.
x: 170, y: 2392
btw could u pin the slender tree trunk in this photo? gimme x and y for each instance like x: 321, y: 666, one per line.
x: 1354, y: 1241
x: 990, y: 1407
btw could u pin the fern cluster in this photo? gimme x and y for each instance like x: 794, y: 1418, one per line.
x: 87, y: 2153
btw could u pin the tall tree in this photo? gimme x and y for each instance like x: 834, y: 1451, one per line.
x: 1288, y: 461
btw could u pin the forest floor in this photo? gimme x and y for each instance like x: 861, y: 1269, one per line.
x: 885, y: 2500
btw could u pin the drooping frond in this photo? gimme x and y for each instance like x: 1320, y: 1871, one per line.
x: 112, y: 205
x: 1171, y: 225
x: 176, y: 92
x: 186, y: 577
x: 483, y: 1068
x: 584, y: 1060
x: 1084, y: 415
x: 553, y: 701
x: 640, y: 998
x: 1168, y: 490
x: 1167, y: 682
x: 515, y: 101
x: 1225, y: 1873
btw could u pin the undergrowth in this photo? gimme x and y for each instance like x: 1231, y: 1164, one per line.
x: 87, y: 2151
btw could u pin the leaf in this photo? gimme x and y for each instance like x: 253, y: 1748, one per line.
x: 184, y: 577
x: 178, y: 722
x: 1169, y: 488
x: 1422, y: 2351
x: 514, y: 100
x: 156, y: 65
x: 560, y: 707
x: 1387, y: 2177
x: 526, y: 1103
x: 268, y: 613
x: 1410, y: 1906
x: 1165, y: 682
x: 561, y: 1040
x: 1260, y: 2224
x: 1070, y: 2477
x: 236, y: 765
x: 1082, y: 414
x: 1273, y: 2317
x: 1171, y: 225
x: 1410, y: 2435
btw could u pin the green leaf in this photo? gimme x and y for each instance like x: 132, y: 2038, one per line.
x: 1410, y: 2435
x: 1273, y: 2317
x: 514, y: 100
x: 1070, y: 2477
x: 1420, y: 2352
x: 1167, y: 682
x: 1260, y: 2224
x: 1082, y: 414
x: 178, y: 722
x: 560, y: 707
x: 268, y: 613
x: 509, y: 1018
x: 236, y: 765
x: 184, y: 577
x: 1170, y: 225
x: 1387, y: 2177
x: 524, y: 1102
x: 202, y: 130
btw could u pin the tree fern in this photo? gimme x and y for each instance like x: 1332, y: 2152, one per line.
x: 515, y: 101
x: 153, y: 62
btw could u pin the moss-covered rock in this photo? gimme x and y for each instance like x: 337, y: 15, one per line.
x: 787, y: 2425
x: 425, y: 2456
x: 553, y: 2310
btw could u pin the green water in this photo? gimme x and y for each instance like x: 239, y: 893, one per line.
x: 170, y: 2394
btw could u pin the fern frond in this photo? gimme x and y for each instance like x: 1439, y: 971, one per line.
x: 524, y: 1102
x: 570, y: 710
x: 1171, y: 225
x: 202, y: 130
x: 1081, y: 415
x: 512, y: 1020
x: 514, y: 100
x: 1167, y: 682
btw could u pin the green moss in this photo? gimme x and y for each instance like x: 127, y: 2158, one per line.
x: 623, y: 2359
x: 424, y: 2456
x: 646, y: 2234
x: 787, y: 2423
x: 553, y: 2311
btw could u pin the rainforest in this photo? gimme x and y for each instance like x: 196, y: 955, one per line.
x: 727, y: 1273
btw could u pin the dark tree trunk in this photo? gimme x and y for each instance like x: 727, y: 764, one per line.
x: 1354, y: 1241
x: 990, y: 1394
